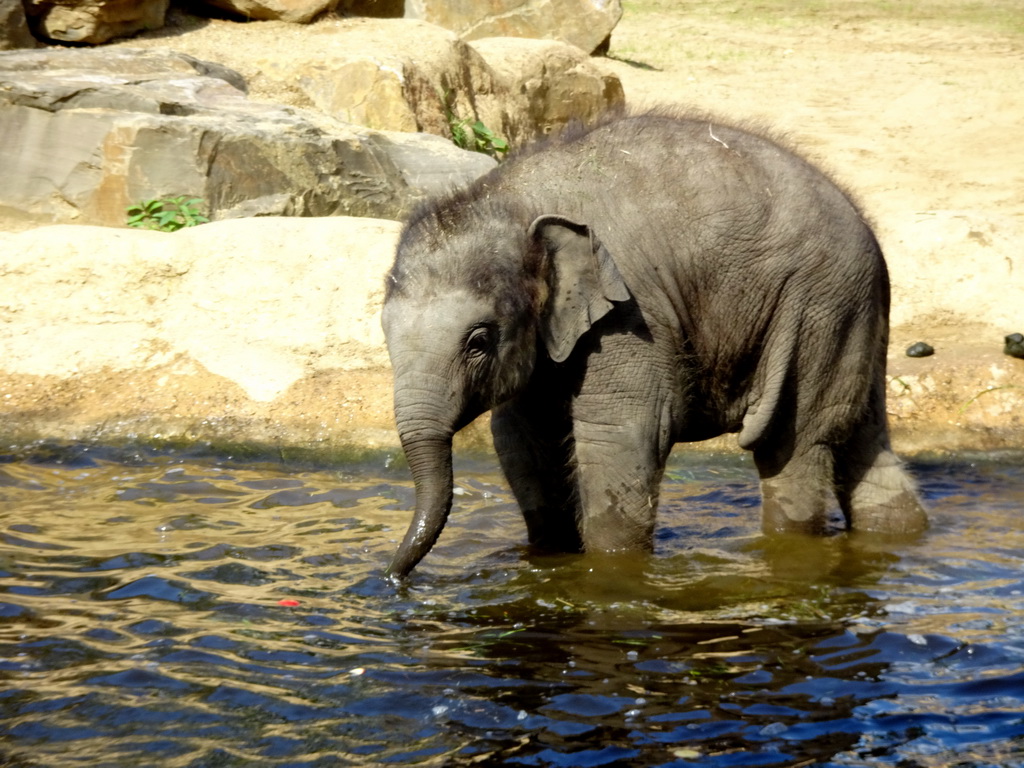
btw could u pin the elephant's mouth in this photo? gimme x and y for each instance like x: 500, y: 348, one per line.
x: 475, y: 407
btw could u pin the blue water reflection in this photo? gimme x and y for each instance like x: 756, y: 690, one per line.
x: 142, y: 624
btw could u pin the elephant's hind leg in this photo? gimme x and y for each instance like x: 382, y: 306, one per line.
x: 874, y: 490
x: 795, y: 488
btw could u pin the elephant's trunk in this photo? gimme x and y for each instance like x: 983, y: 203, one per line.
x: 430, y: 459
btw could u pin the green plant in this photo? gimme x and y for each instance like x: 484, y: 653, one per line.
x: 166, y: 214
x: 473, y: 135
x: 479, y: 138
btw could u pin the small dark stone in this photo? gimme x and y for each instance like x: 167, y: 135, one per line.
x: 1014, y: 345
x: 920, y: 349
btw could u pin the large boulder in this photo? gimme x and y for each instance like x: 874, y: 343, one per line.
x: 405, y: 75
x: 93, y: 21
x: 262, y: 330
x: 381, y: 9
x: 553, y: 83
x: 90, y: 132
x: 302, y: 11
x: 14, y: 32
x: 587, y: 24
x: 295, y: 11
x: 394, y: 74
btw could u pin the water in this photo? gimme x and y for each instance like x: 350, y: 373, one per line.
x: 141, y: 624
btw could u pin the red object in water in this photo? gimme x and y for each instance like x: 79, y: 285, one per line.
x: 288, y: 603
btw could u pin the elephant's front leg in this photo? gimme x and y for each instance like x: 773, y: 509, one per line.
x: 533, y: 442
x: 620, y: 460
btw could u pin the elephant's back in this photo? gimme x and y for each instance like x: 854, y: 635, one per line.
x: 695, y: 200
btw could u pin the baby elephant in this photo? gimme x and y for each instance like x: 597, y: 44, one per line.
x: 649, y: 280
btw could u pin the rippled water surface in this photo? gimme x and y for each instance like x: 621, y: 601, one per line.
x: 142, y: 624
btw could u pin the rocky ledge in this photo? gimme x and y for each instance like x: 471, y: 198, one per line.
x: 89, y: 132
x: 266, y: 331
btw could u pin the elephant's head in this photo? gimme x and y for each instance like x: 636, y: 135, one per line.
x: 470, y: 301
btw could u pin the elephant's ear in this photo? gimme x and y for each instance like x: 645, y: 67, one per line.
x: 584, y: 282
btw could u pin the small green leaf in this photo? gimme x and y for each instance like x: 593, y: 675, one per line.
x: 166, y: 214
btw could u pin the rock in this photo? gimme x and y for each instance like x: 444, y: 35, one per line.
x: 430, y: 165
x: 93, y: 21
x: 296, y: 11
x: 114, y: 70
x: 955, y: 267
x: 557, y: 82
x: 587, y: 24
x: 390, y: 75
x: 410, y: 76
x: 381, y: 9
x: 920, y: 349
x: 89, y: 132
x: 267, y: 331
x: 965, y: 399
x: 265, y: 327
x: 1013, y: 345
x: 14, y: 31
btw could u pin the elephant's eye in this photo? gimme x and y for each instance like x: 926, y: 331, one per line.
x: 480, y: 341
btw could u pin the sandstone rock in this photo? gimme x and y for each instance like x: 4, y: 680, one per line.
x: 557, y: 82
x: 428, y: 164
x: 957, y: 274
x: 93, y: 21
x: 394, y: 75
x: 267, y: 331
x: 411, y: 76
x: 89, y: 132
x: 13, y: 27
x: 380, y: 9
x: 587, y: 24
x: 296, y: 11
x: 266, y: 327
x: 113, y: 70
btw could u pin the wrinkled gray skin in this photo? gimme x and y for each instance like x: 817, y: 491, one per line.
x: 651, y: 281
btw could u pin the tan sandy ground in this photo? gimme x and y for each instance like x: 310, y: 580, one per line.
x: 914, y: 105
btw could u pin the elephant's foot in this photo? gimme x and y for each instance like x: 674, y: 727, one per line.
x: 884, y: 500
x: 553, y: 531
x: 617, y: 530
x: 617, y: 516
x: 902, y: 515
x: 887, y: 509
x: 794, y: 492
x: 792, y: 510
